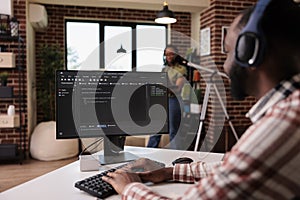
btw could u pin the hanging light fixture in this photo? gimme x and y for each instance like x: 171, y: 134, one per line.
x: 165, y: 16
x: 121, y: 50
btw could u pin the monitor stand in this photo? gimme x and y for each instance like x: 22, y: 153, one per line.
x: 114, y: 151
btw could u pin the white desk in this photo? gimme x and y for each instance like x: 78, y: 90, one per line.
x: 59, y: 184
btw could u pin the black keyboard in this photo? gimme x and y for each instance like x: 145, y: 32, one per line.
x: 95, y: 186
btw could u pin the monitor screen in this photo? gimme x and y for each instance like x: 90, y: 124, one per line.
x: 110, y: 103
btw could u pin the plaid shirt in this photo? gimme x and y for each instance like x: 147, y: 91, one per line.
x: 264, y: 164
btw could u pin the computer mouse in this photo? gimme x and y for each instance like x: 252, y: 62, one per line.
x: 182, y: 160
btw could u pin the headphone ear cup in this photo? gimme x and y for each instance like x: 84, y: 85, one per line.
x: 246, y: 50
x: 251, y: 44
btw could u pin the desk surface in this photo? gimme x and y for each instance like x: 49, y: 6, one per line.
x: 59, y: 184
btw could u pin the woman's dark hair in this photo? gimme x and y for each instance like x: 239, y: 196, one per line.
x: 175, y: 52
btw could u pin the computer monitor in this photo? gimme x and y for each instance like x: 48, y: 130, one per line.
x: 110, y: 104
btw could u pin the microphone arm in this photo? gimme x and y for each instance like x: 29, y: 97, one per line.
x: 190, y: 64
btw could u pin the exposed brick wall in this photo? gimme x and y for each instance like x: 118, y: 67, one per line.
x: 12, y: 135
x: 221, y: 13
x: 57, y: 13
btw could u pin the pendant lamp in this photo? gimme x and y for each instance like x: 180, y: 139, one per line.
x: 165, y: 16
x: 121, y: 50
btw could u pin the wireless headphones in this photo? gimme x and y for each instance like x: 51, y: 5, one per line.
x: 251, y: 43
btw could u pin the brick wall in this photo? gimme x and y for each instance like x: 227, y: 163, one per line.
x: 12, y: 135
x: 221, y: 13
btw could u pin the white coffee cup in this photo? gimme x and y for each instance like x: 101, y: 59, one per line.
x: 11, y: 110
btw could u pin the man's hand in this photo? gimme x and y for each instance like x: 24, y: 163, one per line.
x: 142, y: 164
x: 157, y: 176
x: 119, y: 179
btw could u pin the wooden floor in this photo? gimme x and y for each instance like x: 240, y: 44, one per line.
x: 14, y: 173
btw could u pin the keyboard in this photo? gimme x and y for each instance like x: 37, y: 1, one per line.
x: 95, y: 186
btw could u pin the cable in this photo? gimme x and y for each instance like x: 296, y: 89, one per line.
x: 97, y: 141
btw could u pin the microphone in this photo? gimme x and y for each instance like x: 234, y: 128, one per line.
x: 185, y: 62
x: 181, y: 60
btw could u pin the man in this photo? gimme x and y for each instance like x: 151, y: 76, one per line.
x: 265, y: 162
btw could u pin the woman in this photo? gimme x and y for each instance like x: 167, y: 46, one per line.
x: 176, y: 73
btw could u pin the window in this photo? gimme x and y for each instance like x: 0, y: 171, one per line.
x: 118, y: 46
x: 82, y: 45
x: 151, y: 42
